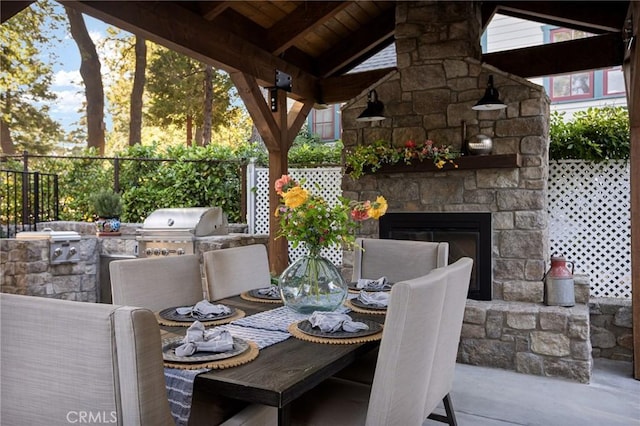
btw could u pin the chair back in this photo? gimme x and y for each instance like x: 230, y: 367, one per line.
x: 398, y: 260
x: 64, y: 362
x: 407, y: 351
x: 455, y: 298
x: 157, y: 283
x: 231, y: 271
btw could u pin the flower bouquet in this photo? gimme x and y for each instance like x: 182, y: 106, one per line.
x: 312, y: 282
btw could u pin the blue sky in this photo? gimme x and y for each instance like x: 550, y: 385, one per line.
x: 67, y: 83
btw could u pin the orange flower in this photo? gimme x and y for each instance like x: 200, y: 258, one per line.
x: 295, y: 197
x: 378, y: 208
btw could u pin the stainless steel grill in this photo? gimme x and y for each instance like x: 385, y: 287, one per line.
x: 63, y: 245
x: 172, y: 232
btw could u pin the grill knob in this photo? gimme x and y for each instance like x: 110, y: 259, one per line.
x: 180, y: 251
x: 156, y: 251
x: 165, y: 252
x: 72, y: 251
x: 57, y: 252
x: 148, y: 252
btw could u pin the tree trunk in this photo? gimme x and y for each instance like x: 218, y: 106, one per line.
x: 189, y: 130
x: 6, y: 142
x: 90, y: 72
x: 135, y: 111
x: 208, y: 105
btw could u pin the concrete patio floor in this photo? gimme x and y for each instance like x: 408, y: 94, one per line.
x: 493, y: 397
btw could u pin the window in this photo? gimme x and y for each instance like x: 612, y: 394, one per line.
x: 323, y: 123
x: 613, y: 81
x: 570, y: 86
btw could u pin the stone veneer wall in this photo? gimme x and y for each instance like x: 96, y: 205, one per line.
x: 439, y: 79
x: 25, y: 266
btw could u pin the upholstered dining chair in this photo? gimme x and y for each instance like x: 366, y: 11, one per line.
x: 234, y: 270
x: 157, y: 283
x: 398, y: 260
x: 406, y: 364
x: 65, y: 362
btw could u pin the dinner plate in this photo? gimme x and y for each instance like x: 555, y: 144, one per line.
x: 257, y: 295
x: 306, y: 327
x: 169, y: 351
x: 353, y: 287
x: 171, y: 314
x: 360, y: 304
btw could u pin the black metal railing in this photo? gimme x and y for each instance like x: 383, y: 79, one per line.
x: 27, y: 198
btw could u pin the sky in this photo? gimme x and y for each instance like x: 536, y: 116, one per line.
x: 67, y: 82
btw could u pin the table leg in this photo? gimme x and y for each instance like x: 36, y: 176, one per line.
x: 284, y: 415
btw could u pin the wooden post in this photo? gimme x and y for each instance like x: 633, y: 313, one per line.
x: 632, y: 78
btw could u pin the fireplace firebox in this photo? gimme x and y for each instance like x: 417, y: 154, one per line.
x: 468, y: 235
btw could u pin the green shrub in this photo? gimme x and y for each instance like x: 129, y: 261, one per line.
x: 106, y: 204
x: 596, y: 134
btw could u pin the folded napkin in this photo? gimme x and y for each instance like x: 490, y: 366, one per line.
x: 378, y: 298
x: 204, y: 309
x: 330, y: 322
x: 200, y: 340
x: 271, y: 291
x: 379, y: 284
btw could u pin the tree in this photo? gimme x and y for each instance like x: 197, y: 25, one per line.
x: 25, y: 81
x: 135, y: 124
x: 92, y: 78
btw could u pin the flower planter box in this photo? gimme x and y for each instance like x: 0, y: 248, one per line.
x: 469, y: 162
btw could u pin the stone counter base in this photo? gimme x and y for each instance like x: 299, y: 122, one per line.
x: 529, y: 338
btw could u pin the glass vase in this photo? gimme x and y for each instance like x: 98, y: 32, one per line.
x: 312, y: 283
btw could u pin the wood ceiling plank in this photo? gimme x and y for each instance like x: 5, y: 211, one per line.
x: 211, y: 10
x: 377, y: 32
x: 560, y: 58
x: 309, y: 16
x: 170, y: 25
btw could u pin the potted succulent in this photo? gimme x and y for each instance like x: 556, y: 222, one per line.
x: 107, y: 206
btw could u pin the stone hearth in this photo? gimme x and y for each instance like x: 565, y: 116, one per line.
x: 439, y: 79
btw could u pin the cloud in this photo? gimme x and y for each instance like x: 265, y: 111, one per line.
x: 68, y: 102
x: 64, y: 78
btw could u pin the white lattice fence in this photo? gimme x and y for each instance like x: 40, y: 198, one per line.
x: 589, y: 222
x: 321, y: 181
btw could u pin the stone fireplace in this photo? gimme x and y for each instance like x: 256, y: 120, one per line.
x: 439, y: 78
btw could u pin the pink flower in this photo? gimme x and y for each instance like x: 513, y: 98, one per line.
x: 283, y: 184
x: 410, y: 144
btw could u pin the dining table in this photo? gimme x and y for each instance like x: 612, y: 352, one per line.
x: 281, y: 372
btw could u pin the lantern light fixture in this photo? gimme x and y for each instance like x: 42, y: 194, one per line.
x: 374, y: 109
x: 491, y: 100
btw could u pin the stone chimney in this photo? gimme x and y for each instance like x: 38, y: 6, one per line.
x: 439, y: 78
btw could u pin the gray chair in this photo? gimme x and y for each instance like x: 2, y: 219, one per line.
x: 408, y: 383
x: 157, y: 283
x: 63, y: 361
x: 231, y: 271
x: 398, y: 260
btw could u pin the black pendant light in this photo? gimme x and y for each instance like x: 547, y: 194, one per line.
x: 490, y: 101
x: 374, y: 109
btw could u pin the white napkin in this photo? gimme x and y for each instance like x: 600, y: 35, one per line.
x: 376, y: 298
x: 271, y: 291
x: 200, y: 340
x: 333, y: 321
x: 204, y: 309
x: 379, y: 284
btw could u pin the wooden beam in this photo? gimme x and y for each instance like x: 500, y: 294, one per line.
x: 348, y: 86
x: 307, y: 16
x: 9, y: 9
x: 631, y: 70
x: 210, y: 10
x: 487, y: 11
x: 592, y: 16
x: 179, y: 29
x: 560, y: 58
x: 355, y: 48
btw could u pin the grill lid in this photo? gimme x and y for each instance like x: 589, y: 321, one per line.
x: 199, y: 221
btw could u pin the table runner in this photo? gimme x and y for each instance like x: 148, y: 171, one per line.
x: 180, y: 382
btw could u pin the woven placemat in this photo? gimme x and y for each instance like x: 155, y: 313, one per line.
x: 295, y: 332
x: 243, y: 358
x: 360, y: 310
x: 169, y: 323
x: 250, y: 298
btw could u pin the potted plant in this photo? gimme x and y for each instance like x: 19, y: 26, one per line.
x: 107, y: 207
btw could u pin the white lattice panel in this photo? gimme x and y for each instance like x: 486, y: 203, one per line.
x: 321, y: 181
x: 589, y: 222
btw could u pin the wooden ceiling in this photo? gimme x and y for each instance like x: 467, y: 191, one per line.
x: 318, y: 42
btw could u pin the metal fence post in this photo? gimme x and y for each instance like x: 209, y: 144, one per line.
x: 25, y: 188
x: 251, y: 195
x: 36, y: 200
x: 116, y: 174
